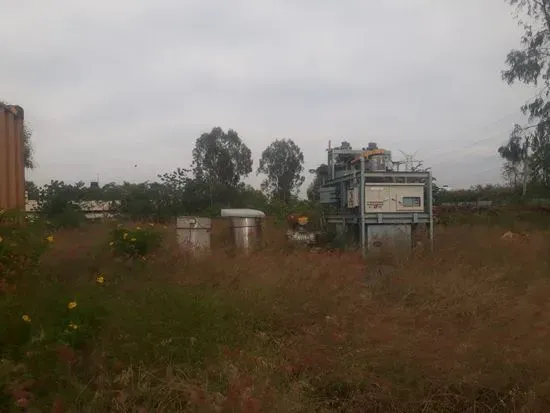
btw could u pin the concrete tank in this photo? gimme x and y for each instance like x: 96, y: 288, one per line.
x: 194, y: 234
x: 246, y: 228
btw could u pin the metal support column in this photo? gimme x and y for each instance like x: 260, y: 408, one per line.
x: 362, y: 206
x: 431, y: 209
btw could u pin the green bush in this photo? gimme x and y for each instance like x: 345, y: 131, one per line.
x: 57, y: 204
x: 280, y: 212
x: 14, y: 331
x: 74, y: 322
x: 136, y: 242
x: 43, y: 332
x: 71, y: 217
x: 146, y: 201
x: 21, y: 245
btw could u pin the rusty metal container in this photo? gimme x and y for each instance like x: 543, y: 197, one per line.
x: 12, y: 165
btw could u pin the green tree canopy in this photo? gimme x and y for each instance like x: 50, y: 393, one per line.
x: 221, y: 158
x: 28, y: 149
x: 530, y: 64
x: 282, y: 163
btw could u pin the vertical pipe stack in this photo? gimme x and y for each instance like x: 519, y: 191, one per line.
x: 431, y: 210
x: 12, y: 165
x: 362, y: 204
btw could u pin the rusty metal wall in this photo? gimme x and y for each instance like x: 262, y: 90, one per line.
x: 12, y: 165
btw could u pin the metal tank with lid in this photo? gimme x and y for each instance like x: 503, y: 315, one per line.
x: 246, y: 228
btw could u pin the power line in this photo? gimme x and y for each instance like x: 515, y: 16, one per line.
x: 453, y: 151
x: 481, y: 140
x: 492, y: 137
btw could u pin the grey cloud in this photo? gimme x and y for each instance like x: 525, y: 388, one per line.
x: 107, y: 85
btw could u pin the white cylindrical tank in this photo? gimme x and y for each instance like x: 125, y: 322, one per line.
x: 246, y: 228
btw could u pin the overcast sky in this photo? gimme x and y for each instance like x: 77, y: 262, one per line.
x: 107, y: 85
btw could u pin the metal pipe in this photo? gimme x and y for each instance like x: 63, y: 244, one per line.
x: 431, y: 207
x: 362, y: 206
x: 331, y: 161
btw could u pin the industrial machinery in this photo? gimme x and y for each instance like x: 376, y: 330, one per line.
x: 299, y: 230
x: 377, y: 205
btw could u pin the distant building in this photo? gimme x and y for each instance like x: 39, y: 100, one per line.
x: 91, y: 209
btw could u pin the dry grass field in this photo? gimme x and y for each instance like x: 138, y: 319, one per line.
x: 465, y: 329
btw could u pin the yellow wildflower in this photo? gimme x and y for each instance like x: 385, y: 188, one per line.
x: 138, y: 228
x: 49, y: 238
x: 100, y: 279
x: 26, y: 318
x: 72, y: 305
x: 125, y: 235
x: 133, y: 240
x: 2, y: 211
x: 73, y: 326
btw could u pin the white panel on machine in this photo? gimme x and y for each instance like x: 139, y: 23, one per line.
x: 377, y: 198
x: 394, y: 198
x: 408, y: 198
x: 353, y: 198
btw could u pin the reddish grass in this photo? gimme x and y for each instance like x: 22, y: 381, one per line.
x: 465, y: 329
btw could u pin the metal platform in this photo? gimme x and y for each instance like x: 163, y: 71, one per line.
x: 381, y: 218
x: 394, y: 176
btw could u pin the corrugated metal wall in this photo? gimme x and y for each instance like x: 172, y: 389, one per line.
x: 12, y: 166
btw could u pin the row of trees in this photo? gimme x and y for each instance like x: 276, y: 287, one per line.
x: 173, y: 194
x: 498, y: 194
x: 221, y: 162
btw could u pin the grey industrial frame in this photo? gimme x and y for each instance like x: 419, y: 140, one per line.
x: 364, y: 218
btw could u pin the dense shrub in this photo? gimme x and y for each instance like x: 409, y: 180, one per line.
x: 58, y: 205
x: 21, y: 245
x: 280, y: 211
x: 134, y: 242
x: 43, y: 334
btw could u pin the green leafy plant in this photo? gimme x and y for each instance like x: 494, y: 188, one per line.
x: 57, y: 204
x: 21, y: 245
x: 77, y: 321
x: 134, y: 242
x: 49, y: 343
